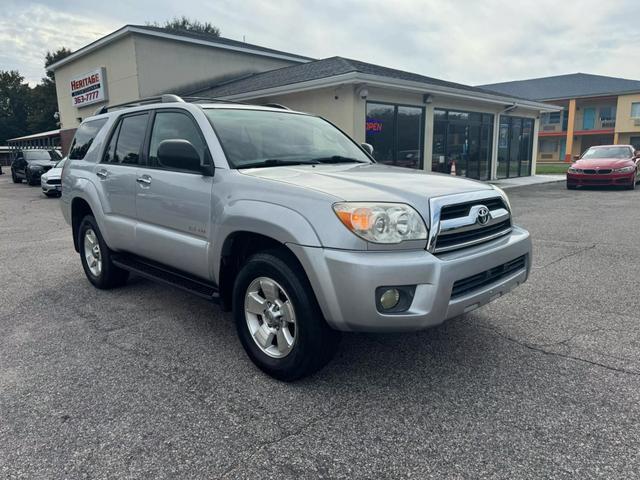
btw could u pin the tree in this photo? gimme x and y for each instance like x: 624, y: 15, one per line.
x: 43, y: 100
x: 14, y: 105
x: 184, y: 24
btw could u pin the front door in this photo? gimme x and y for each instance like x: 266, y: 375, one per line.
x: 116, y: 176
x: 589, y: 118
x: 174, y: 206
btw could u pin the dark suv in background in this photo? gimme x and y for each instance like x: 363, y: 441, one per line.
x: 30, y: 164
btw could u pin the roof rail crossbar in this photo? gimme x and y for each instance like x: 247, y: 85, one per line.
x: 166, y: 98
x: 276, y: 105
x: 210, y: 99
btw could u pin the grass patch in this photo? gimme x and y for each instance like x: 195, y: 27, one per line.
x: 542, y: 169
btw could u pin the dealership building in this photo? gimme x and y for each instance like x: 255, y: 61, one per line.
x: 411, y: 120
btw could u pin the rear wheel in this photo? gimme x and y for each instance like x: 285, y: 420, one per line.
x: 278, y: 319
x: 96, y: 257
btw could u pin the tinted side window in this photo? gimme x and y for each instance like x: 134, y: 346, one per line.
x: 172, y: 126
x: 84, y: 138
x: 110, y: 151
x: 131, y: 138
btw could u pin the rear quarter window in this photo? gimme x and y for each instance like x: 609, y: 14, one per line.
x: 84, y: 137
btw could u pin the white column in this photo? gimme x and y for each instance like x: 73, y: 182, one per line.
x: 534, y: 150
x: 494, y: 149
x: 427, y: 150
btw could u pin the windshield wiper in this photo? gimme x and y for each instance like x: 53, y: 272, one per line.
x: 337, y: 159
x: 276, y: 162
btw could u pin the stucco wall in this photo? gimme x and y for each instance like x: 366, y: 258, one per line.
x: 118, y: 58
x: 624, y: 122
x: 167, y: 65
x: 336, y: 104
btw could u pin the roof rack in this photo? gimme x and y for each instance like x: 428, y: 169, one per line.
x: 166, y: 98
x: 171, y: 98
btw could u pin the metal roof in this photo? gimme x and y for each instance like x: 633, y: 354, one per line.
x: 560, y: 87
x: 50, y: 133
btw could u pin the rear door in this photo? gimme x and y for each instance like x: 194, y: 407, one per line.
x: 174, y: 205
x: 116, y: 177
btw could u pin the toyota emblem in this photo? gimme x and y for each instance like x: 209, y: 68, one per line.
x: 483, y: 215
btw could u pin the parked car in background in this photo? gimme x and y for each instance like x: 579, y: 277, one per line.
x: 30, y: 164
x: 606, y: 165
x: 51, y: 181
x: 282, y: 218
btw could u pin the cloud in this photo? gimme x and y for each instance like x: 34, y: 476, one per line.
x: 468, y: 41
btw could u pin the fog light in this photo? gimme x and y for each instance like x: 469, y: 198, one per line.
x: 390, y: 298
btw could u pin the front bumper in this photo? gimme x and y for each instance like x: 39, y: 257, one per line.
x: 582, y: 179
x: 345, y: 282
x: 46, y: 188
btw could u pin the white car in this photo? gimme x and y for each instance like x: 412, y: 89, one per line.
x: 51, y: 180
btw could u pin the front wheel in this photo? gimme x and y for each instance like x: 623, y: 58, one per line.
x: 96, y: 257
x: 278, y: 319
x: 632, y: 186
x: 14, y: 177
x: 571, y: 187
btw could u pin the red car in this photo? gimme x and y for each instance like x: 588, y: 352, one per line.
x: 606, y: 165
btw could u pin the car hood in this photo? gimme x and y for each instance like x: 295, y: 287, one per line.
x: 53, y: 173
x: 368, y: 182
x: 603, y: 163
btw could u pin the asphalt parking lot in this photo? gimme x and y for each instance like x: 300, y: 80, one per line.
x: 150, y: 382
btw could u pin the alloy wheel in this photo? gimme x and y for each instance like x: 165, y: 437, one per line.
x: 270, y: 317
x: 92, y: 253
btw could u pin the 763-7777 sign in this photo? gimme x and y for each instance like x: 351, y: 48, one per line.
x: 88, y: 88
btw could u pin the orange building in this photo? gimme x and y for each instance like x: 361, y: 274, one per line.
x: 597, y: 110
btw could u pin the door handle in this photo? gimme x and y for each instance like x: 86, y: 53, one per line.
x: 102, y: 174
x: 144, y: 180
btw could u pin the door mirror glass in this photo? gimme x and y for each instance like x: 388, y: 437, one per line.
x: 367, y: 148
x: 576, y: 157
x: 181, y: 155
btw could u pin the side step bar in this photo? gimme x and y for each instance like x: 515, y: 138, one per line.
x: 167, y: 275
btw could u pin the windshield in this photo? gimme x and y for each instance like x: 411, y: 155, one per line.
x: 608, y: 152
x: 30, y: 155
x: 261, y: 138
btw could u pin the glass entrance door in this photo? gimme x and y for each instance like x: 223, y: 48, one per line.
x: 515, y: 146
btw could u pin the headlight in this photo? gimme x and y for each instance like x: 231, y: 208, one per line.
x: 504, y: 197
x: 628, y: 169
x: 382, y: 222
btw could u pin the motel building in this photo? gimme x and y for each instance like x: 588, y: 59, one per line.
x: 596, y: 110
x: 411, y: 120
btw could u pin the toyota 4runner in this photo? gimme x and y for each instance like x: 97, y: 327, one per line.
x: 286, y: 221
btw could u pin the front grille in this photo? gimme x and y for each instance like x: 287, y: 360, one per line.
x: 475, y: 282
x: 590, y: 171
x: 462, y: 209
x: 446, y: 241
x: 54, y: 181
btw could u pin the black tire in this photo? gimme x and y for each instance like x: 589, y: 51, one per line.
x: 14, y: 177
x: 29, y: 178
x: 51, y: 194
x: 315, y: 342
x: 110, y: 276
x: 571, y: 187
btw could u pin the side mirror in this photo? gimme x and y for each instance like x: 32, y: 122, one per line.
x: 576, y: 157
x: 367, y: 148
x: 181, y: 155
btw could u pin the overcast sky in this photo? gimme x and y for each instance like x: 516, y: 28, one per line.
x: 468, y: 41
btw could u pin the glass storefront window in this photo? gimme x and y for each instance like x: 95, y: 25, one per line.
x: 395, y: 132
x: 464, y: 139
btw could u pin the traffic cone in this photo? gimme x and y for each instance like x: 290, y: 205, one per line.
x: 453, y: 168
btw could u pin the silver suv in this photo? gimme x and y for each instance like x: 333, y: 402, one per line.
x: 285, y: 220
